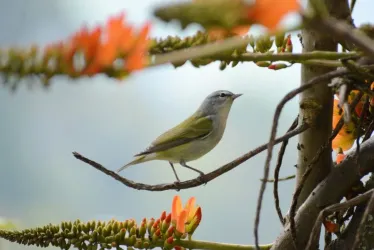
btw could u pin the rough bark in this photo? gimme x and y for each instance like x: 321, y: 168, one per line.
x: 346, y: 240
x: 311, y: 141
x: 329, y: 191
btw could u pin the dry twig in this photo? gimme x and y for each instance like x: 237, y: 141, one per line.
x: 193, y: 182
x: 313, y: 239
x: 277, y: 169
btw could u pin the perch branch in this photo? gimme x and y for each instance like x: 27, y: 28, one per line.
x: 193, y: 182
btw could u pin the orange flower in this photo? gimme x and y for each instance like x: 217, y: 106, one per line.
x: 180, y: 225
x: 266, y: 12
x: 103, y: 45
x: 176, y: 208
x: 330, y: 226
x: 270, y: 12
x: 347, y: 134
x: 340, y: 156
x: 191, y: 208
x: 218, y: 33
x: 182, y: 216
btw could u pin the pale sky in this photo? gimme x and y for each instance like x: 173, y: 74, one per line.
x: 41, y: 182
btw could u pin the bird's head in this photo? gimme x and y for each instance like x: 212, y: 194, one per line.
x: 218, y: 101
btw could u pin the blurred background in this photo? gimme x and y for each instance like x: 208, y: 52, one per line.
x: 109, y: 121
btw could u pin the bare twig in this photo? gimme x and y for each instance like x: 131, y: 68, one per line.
x: 286, y: 178
x: 352, y: 5
x: 369, y: 209
x: 277, y: 169
x: 309, y: 168
x: 360, y: 122
x: 313, y: 239
x: 344, y: 32
x: 317, y: 80
x: 369, y: 131
x: 193, y: 182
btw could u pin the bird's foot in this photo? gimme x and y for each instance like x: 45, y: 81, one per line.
x: 177, y: 184
x: 203, y: 179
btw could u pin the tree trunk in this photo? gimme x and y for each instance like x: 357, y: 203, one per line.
x: 311, y: 140
x: 321, y: 95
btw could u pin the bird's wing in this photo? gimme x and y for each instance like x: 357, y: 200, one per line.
x: 188, y: 130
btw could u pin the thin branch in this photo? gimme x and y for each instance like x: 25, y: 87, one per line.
x: 317, y: 80
x: 365, y: 109
x: 369, y: 209
x: 286, y: 178
x: 309, y: 168
x: 193, y: 182
x: 352, y: 5
x: 369, y: 131
x: 344, y: 32
x: 277, y: 169
x: 313, y: 239
x: 286, y: 56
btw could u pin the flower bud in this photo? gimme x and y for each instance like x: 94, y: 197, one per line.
x: 156, y: 235
x: 222, y: 65
x: 150, y: 224
x: 146, y: 244
x: 163, y: 216
x: 138, y: 244
x: 279, y: 39
x: 251, y: 41
x: 263, y: 64
x: 170, y: 231
x: 142, y: 229
x: 289, y: 44
x: 168, y: 243
x: 190, y: 229
x: 234, y: 63
x: 277, y: 66
x: 166, y: 223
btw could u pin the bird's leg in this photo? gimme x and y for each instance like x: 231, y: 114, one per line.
x: 202, y: 175
x: 175, y: 172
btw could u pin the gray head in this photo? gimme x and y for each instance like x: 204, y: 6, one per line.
x: 218, y: 101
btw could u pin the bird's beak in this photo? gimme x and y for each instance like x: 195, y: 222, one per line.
x: 236, y: 96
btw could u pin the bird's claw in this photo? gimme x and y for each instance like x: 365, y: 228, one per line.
x: 202, y: 179
x: 176, y: 184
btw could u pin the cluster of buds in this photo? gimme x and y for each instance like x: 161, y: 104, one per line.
x: 263, y: 45
x: 171, y: 43
x: 164, y: 232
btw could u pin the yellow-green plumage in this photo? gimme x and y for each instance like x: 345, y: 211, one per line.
x: 194, y: 137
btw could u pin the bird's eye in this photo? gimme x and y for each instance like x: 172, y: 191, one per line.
x: 222, y: 95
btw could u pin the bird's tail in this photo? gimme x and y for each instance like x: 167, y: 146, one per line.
x: 137, y: 160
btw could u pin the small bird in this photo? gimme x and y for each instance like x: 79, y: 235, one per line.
x: 194, y: 137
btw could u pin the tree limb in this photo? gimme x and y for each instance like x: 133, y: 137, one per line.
x: 328, y: 192
x: 314, y: 237
x: 193, y: 182
x: 312, y: 82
